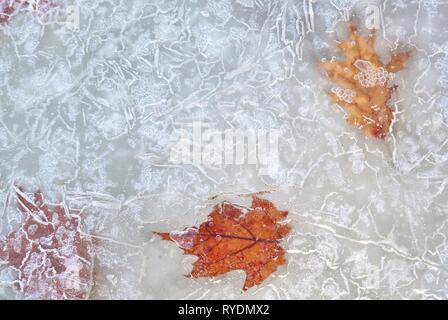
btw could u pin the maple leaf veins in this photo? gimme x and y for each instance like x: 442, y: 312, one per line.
x: 232, y: 239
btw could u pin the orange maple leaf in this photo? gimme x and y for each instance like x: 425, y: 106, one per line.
x: 53, y: 259
x: 364, y: 89
x: 232, y: 239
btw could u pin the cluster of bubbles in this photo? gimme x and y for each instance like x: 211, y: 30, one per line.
x: 369, y: 76
x: 346, y: 95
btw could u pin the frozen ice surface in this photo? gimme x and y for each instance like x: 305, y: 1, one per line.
x: 87, y: 114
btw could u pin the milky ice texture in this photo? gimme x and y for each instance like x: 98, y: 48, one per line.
x: 87, y: 115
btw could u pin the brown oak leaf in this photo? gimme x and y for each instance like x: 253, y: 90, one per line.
x: 52, y: 258
x: 236, y: 238
x: 363, y: 81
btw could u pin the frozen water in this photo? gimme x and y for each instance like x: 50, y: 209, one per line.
x: 87, y: 113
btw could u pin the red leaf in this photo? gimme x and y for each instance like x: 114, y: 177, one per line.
x: 52, y: 257
x: 9, y: 7
x: 232, y: 239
